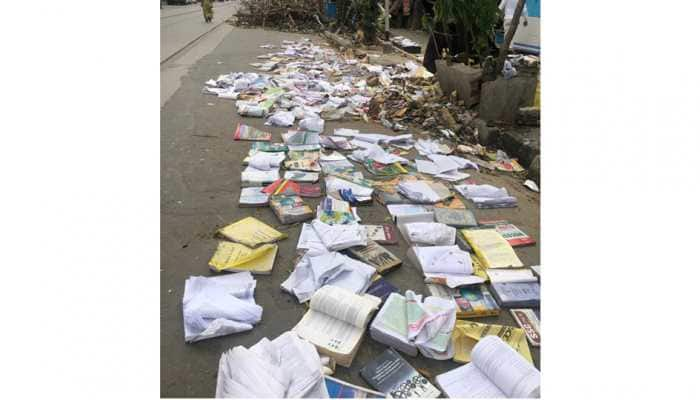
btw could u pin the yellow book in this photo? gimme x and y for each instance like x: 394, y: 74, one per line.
x: 491, y: 248
x: 467, y: 333
x: 237, y: 257
x: 251, y: 232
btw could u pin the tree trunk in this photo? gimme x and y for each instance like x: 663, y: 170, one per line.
x: 505, y: 46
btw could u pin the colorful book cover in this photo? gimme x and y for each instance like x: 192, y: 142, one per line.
x: 527, y: 320
x: 297, y: 138
x: 246, y: 132
x: 310, y: 190
x: 510, y: 232
x: 380, y: 169
x: 290, y: 209
x: 303, y: 165
x: 282, y: 187
x: 304, y: 155
x: 454, y: 204
x: 268, y: 147
x: 476, y: 301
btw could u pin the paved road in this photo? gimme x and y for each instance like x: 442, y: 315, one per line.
x: 200, y: 186
x: 179, y: 25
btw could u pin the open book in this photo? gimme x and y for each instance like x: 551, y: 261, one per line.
x: 336, y: 322
x: 496, y: 371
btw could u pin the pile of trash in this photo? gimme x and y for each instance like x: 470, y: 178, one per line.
x: 312, y: 82
x: 290, y: 15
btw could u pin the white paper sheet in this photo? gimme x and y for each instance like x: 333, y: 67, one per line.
x: 220, y: 305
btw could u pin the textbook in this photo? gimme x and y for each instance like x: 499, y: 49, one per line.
x: 527, y: 319
x: 301, y: 176
x: 253, y: 197
x: 510, y: 232
x: 338, y: 389
x: 382, y: 234
x: 375, y: 255
x: 472, y: 301
x: 251, y: 232
x: 381, y: 288
x: 466, y: 334
x: 336, y: 322
x: 236, y: 257
x: 391, y: 374
x: 491, y: 248
x: 246, y: 132
x: 290, y: 209
x: 268, y: 147
x: 455, y: 217
x: 496, y: 371
x: 517, y: 295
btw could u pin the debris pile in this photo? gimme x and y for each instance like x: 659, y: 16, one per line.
x: 291, y: 15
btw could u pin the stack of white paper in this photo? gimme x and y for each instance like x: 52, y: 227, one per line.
x: 309, y: 241
x: 219, y: 305
x: 487, y: 196
x: 266, y: 161
x: 444, y: 263
x: 259, y: 176
x: 419, y: 191
x: 429, y: 233
x: 410, y: 324
x: 311, y: 273
x: 376, y: 153
x: 287, y: 367
x: 340, y: 237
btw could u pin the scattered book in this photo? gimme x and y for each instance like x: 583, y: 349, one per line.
x: 255, y: 177
x: 380, y: 169
x: 253, y: 197
x: 310, y: 190
x: 303, y: 165
x: 455, y: 217
x: 517, y: 295
x: 336, y: 322
x: 381, y: 288
x: 301, y: 176
x: 375, y: 255
x: 338, y: 389
x: 246, y: 132
x: 472, y: 301
x: 466, y: 334
x: 290, y: 209
x: 268, y: 147
x: 491, y: 248
x: 235, y: 257
x: 510, y: 275
x: 387, y: 198
x: 282, y: 187
x: 527, y: 319
x: 496, y: 371
x: 510, y: 232
x: 251, y: 232
x: 391, y: 374
x: 382, y: 234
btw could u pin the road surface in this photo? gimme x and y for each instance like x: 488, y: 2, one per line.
x: 179, y: 25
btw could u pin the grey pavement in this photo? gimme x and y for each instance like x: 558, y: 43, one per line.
x: 200, y: 185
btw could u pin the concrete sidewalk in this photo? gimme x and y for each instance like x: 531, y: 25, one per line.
x: 200, y: 185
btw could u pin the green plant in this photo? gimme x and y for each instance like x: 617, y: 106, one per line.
x: 475, y: 19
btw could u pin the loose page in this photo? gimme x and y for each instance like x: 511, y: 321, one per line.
x: 467, y: 334
x: 506, y: 368
x: 468, y: 382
